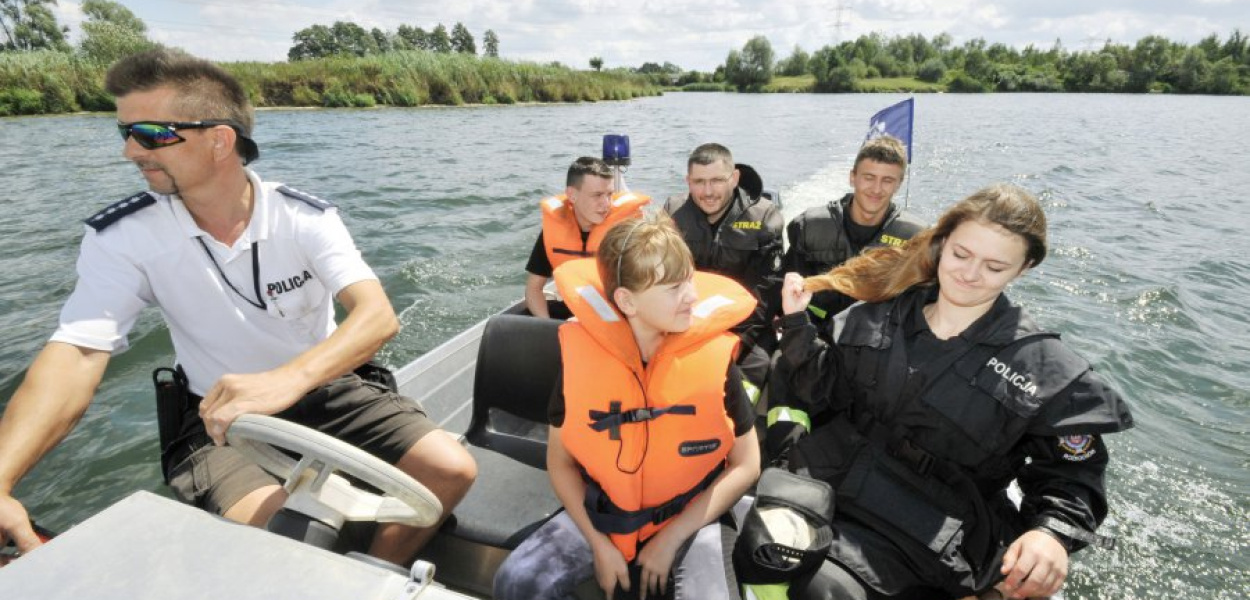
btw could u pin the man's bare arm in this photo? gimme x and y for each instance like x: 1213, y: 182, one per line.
x: 535, y: 300
x: 55, y: 393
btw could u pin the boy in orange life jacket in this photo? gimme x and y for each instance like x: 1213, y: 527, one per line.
x: 651, y: 438
x: 573, y: 226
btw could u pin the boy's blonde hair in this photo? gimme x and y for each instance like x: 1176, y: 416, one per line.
x: 639, y: 253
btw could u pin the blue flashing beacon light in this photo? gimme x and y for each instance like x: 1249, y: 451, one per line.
x: 616, y: 150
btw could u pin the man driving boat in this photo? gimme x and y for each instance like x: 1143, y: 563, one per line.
x: 244, y: 273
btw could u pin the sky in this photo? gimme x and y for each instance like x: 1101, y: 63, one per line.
x: 691, y: 34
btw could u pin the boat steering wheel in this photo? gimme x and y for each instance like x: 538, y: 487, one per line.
x: 313, y: 486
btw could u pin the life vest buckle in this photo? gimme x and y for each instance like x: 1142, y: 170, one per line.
x: 669, y: 510
x: 615, y: 417
x: 918, y: 459
x: 638, y: 415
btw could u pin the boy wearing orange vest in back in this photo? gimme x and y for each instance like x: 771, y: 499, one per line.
x: 574, y: 224
x: 651, y: 439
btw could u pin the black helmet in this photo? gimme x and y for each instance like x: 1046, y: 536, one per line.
x: 787, y: 531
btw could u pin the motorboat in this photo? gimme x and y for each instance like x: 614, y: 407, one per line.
x: 489, y: 385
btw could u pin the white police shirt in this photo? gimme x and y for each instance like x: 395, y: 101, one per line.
x: 152, y: 257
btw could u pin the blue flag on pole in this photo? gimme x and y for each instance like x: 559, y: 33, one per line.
x: 893, y: 120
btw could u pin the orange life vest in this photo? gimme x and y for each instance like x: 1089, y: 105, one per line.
x: 648, y: 438
x: 562, y: 237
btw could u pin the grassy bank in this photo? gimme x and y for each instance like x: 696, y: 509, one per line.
x: 47, y: 82
x: 807, y: 83
x: 785, y: 84
x: 897, y: 84
x: 707, y: 86
x: 57, y: 82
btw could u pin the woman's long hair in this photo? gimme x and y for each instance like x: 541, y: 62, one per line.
x: 883, y: 273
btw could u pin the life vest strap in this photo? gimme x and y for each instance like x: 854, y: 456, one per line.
x: 920, y: 460
x: 609, y: 518
x: 578, y: 253
x: 897, y: 442
x: 615, y: 417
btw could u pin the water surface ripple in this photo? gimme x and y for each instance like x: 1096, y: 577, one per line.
x: 1148, y: 278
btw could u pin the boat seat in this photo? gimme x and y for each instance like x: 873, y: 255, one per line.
x: 517, y: 365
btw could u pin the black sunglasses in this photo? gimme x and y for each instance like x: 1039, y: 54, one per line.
x: 158, y: 134
x: 161, y: 134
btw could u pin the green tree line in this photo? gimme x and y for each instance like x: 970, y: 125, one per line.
x: 346, y: 38
x: 40, y: 73
x: 1152, y: 64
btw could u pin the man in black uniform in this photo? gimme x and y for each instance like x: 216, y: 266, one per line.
x: 736, y: 233
x: 824, y: 237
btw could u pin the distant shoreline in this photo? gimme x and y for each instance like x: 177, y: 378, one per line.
x: 61, y: 83
x: 49, y: 82
x: 263, y: 109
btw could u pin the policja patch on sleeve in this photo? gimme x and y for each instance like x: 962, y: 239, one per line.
x: 1077, y: 448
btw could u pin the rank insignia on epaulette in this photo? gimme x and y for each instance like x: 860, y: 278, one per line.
x: 115, y: 211
x: 320, y: 204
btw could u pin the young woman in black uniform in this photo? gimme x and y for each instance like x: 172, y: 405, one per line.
x: 938, y: 392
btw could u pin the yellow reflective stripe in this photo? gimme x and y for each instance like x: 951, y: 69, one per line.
x: 762, y: 591
x: 819, y: 312
x: 785, y: 414
x: 753, y: 391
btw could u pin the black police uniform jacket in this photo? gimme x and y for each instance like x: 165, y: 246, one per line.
x: 745, y: 246
x: 921, y: 446
x: 819, y: 242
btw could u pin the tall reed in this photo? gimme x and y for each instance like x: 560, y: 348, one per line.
x: 57, y: 82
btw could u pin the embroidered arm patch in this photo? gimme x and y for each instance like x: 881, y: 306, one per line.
x: 1077, y: 448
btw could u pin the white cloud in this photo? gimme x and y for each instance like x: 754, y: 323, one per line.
x: 1089, y: 31
x: 70, y: 15
x: 690, y: 33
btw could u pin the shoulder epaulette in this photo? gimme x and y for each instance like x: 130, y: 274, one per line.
x: 309, y: 199
x: 115, y: 211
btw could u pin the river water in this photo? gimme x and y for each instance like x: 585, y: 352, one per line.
x: 1148, y: 277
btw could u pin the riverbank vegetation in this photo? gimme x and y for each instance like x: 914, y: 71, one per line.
x: 48, y: 82
x: 420, y: 77
x: 913, y: 63
x: 344, y: 65
x: 338, y: 66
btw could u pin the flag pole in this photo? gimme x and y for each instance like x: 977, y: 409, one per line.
x: 907, y: 193
x: 911, y: 122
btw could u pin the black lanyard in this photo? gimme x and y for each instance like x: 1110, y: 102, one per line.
x: 260, y: 300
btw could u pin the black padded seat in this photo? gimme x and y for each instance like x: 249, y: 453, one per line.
x: 518, y: 361
x: 508, y: 501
